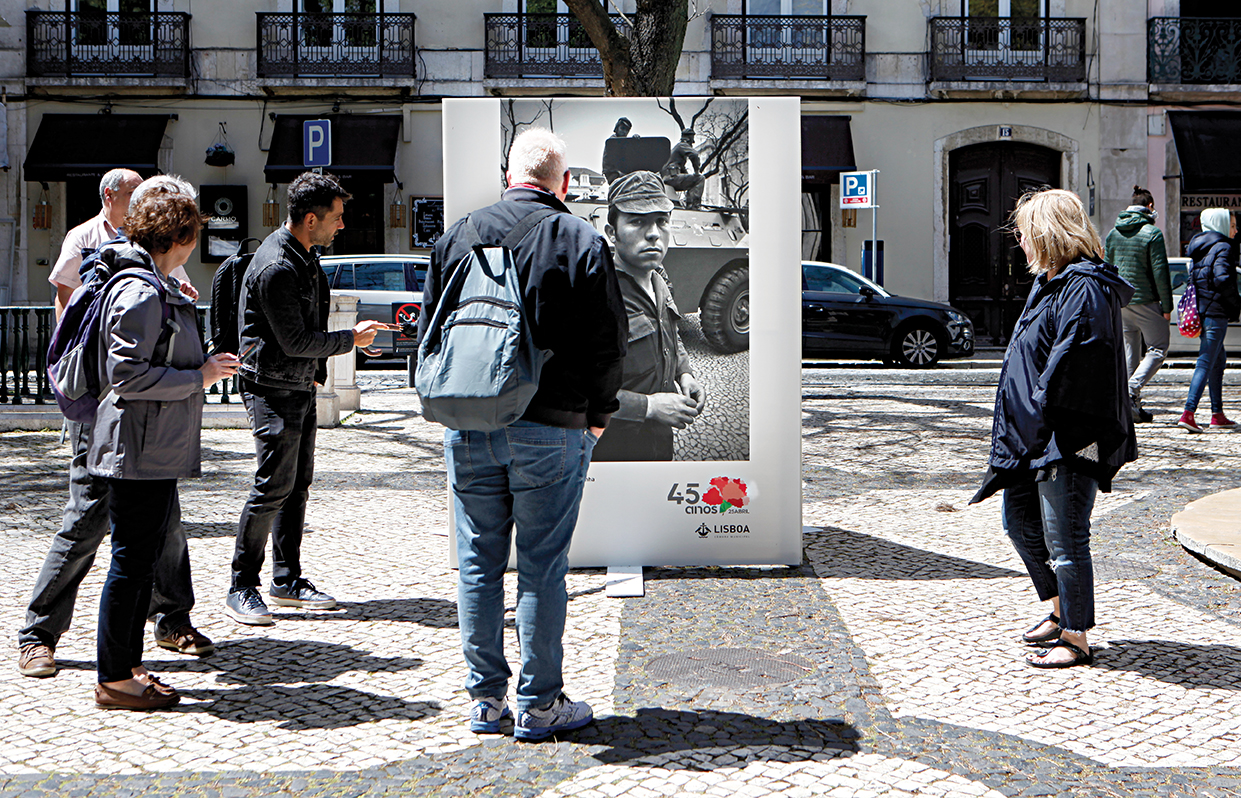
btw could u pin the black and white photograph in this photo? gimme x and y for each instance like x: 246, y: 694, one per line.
x: 666, y: 181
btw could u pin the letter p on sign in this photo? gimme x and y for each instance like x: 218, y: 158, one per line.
x: 316, y: 143
x: 855, y: 190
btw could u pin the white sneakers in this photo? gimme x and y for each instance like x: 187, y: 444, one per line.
x: 486, y: 714
x: 562, y: 715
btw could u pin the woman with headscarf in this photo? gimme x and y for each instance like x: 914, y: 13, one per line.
x: 1214, y: 276
x: 1063, y: 425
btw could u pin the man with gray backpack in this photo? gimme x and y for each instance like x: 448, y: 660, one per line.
x: 522, y: 462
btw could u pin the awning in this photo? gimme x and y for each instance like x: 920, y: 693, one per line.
x: 1207, y: 146
x: 363, y: 146
x: 87, y: 145
x: 826, y: 149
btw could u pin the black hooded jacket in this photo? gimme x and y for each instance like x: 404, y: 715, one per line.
x: 1063, y: 392
x: 1214, y: 274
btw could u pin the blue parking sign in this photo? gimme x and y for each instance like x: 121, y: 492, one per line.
x: 856, y: 189
x: 317, y: 143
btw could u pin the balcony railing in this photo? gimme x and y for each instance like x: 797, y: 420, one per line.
x: 26, y: 331
x: 339, y: 45
x: 97, y: 43
x: 1004, y: 48
x: 822, y: 48
x: 1193, y: 50
x: 541, y: 45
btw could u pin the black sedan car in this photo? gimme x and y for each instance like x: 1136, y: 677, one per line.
x: 844, y: 315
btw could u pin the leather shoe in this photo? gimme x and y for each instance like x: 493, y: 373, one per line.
x: 151, y: 698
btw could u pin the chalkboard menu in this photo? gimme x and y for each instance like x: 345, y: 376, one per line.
x: 428, y: 222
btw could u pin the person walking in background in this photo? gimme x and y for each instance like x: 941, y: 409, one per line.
x: 529, y: 475
x: 1135, y: 246
x: 1062, y: 426
x: 282, y: 315
x: 85, y: 524
x: 146, y: 433
x: 1214, y: 276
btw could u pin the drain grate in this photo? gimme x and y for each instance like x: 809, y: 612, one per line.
x: 729, y: 667
x: 1114, y: 569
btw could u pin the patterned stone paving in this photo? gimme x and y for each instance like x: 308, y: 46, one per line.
x: 903, y: 618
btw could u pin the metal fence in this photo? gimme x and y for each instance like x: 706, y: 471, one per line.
x: 344, y: 44
x: 758, y: 46
x: 26, y: 331
x: 541, y: 45
x: 1190, y: 50
x: 66, y: 43
x: 1008, y: 48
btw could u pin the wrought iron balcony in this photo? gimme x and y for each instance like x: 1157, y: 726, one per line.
x: 798, y: 47
x: 1193, y: 50
x: 1008, y: 48
x: 97, y: 43
x: 541, y: 45
x: 336, y: 45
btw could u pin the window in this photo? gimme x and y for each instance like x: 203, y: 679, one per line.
x: 386, y: 276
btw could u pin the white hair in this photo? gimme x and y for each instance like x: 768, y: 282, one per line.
x: 174, y: 184
x: 112, y: 180
x: 538, y: 156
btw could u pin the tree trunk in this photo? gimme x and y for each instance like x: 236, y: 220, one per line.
x: 644, y: 64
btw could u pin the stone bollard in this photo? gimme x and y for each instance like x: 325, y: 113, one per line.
x: 340, y: 392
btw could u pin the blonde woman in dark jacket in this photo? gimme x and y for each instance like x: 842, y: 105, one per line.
x: 146, y: 433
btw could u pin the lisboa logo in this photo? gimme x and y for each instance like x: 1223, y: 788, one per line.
x: 703, y: 530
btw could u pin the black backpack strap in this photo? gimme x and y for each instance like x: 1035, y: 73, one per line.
x: 528, y: 223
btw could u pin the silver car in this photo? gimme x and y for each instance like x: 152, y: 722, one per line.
x: 388, y: 289
x: 1179, y: 344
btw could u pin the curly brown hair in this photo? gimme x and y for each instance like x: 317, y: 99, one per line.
x: 161, y: 218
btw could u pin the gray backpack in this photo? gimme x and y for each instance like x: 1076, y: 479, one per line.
x: 478, y: 367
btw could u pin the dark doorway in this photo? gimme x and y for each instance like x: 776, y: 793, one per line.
x: 81, y: 200
x: 816, y: 222
x: 987, y: 275
x: 1210, y: 8
x: 364, y: 220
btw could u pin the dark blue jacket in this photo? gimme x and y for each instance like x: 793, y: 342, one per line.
x: 572, y: 303
x: 1063, y: 393
x: 1214, y: 274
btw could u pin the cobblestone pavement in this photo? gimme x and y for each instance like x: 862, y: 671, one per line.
x: 887, y: 664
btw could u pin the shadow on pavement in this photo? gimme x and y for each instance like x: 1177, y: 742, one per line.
x: 195, y: 530
x: 655, y: 733
x: 1191, y: 665
x: 845, y: 554
x: 311, y: 706
x: 432, y: 612
x: 264, y: 660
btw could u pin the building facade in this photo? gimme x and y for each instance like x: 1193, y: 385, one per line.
x: 960, y: 104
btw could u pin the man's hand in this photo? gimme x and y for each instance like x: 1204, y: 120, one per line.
x: 692, y: 389
x: 596, y: 431
x: 218, y: 367
x: 671, y: 409
x: 1167, y: 317
x: 190, y: 291
x: 364, y: 332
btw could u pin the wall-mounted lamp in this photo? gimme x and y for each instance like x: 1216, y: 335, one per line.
x: 42, y: 211
x: 271, y: 208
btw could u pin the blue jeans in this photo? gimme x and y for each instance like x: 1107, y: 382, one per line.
x: 139, y: 509
x: 530, y: 476
x: 73, y: 552
x: 284, y: 424
x: 1049, y: 524
x: 1209, y: 370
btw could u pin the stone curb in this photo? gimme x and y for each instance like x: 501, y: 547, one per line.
x: 31, y: 418
x: 1209, y: 528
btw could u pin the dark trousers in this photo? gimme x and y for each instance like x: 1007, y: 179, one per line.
x: 284, y: 425
x: 140, y: 510
x: 634, y: 440
x: 73, y: 552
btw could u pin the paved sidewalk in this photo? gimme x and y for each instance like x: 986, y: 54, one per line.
x: 887, y: 664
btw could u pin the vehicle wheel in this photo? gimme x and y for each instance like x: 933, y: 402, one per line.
x: 726, y: 311
x: 411, y: 362
x: 359, y: 358
x: 917, y: 347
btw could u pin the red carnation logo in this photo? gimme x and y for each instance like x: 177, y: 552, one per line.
x: 726, y: 492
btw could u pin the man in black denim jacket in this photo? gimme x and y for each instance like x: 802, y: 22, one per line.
x: 284, y: 346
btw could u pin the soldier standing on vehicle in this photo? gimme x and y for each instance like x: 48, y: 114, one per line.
x: 611, y: 170
x: 676, y: 175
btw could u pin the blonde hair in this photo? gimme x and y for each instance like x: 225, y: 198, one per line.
x: 538, y: 156
x: 1057, y: 229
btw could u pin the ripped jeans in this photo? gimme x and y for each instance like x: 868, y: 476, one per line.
x: 1049, y: 524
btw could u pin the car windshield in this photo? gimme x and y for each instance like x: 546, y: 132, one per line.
x: 836, y: 280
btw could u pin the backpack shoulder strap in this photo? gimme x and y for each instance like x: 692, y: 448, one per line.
x: 527, y: 223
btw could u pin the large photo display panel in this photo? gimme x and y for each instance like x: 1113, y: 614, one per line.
x: 720, y: 482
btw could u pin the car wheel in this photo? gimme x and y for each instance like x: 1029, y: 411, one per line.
x: 726, y: 311
x: 917, y: 347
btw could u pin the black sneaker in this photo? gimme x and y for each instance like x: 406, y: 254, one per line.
x: 301, y: 593
x: 246, y: 606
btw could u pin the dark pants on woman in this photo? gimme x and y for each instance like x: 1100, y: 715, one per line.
x: 1049, y: 524
x: 141, y: 510
x: 284, y: 425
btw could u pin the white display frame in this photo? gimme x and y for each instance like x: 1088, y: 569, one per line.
x: 626, y: 517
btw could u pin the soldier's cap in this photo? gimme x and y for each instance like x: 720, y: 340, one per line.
x: 639, y: 192
x: 624, y: 120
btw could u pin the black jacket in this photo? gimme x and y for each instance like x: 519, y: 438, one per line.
x: 1063, y: 393
x: 1214, y: 274
x: 572, y: 303
x: 283, y: 313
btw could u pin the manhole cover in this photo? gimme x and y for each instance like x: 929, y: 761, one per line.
x: 1114, y: 569
x: 729, y: 667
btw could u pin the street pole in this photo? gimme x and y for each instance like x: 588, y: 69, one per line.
x: 874, y: 229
